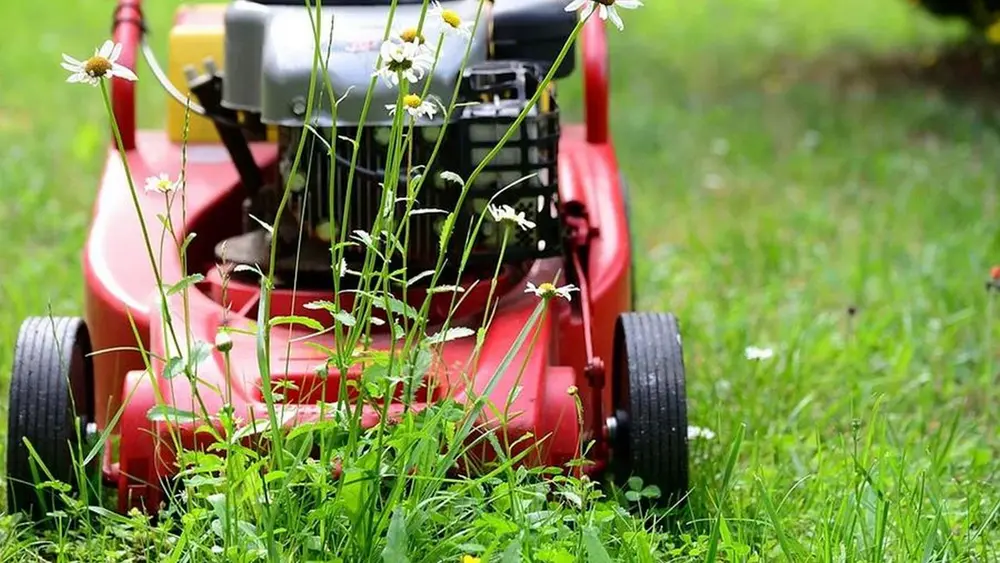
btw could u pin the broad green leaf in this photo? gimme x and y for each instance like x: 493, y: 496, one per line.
x: 396, y: 540
x: 296, y: 319
x: 174, y: 367
x: 449, y: 225
x: 595, y: 550
x: 185, y: 283
x: 345, y: 318
x: 200, y: 352
x: 446, y: 289
x: 392, y: 305
x: 512, y: 554
x: 418, y: 277
x: 341, y: 315
x: 450, y: 334
x: 273, y: 476
x: 452, y: 177
x: 166, y: 413
x: 364, y: 237
x: 321, y: 305
x: 187, y: 242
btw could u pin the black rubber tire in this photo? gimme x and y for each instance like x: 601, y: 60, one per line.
x: 51, y: 388
x: 650, y: 438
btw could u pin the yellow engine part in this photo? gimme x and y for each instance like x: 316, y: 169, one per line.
x: 198, y: 33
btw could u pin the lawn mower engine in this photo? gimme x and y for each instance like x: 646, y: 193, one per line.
x: 270, y: 58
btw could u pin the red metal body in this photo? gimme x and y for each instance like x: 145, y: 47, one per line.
x: 573, y: 343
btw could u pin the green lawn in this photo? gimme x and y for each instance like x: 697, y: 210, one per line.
x: 788, y: 167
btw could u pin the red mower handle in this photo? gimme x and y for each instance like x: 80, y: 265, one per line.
x: 596, y: 67
x: 127, y: 30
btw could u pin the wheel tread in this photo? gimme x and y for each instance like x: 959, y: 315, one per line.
x: 41, y: 407
x: 657, y: 399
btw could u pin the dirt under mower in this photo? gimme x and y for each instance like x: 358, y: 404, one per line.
x: 626, y: 367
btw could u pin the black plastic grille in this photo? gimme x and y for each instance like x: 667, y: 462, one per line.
x: 529, y: 161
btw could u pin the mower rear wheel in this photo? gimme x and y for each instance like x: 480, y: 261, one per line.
x: 51, y: 405
x: 649, y: 436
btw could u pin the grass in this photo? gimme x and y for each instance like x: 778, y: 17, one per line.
x: 796, y: 186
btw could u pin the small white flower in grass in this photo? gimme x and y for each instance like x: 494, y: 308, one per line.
x: 415, y: 106
x: 606, y: 9
x: 161, y: 183
x: 104, y: 64
x: 548, y: 291
x: 510, y: 217
x: 403, y: 58
x: 452, y: 22
x: 695, y: 432
x: 755, y: 353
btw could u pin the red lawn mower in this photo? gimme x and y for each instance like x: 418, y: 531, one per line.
x: 627, y: 367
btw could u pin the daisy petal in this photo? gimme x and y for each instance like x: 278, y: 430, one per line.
x: 115, y: 53
x: 616, y: 19
x: 106, y: 49
x: 123, y: 72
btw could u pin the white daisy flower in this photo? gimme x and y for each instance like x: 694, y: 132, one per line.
x: 606, y: 9
x: 161, y: 183
x: 548, y: 291
x: 695, y: 432
x: 104, y: 64
x: 510, y: 217
x: 415, y: 106
x: 452, y: 22
x: 755, y: 353
x: 402, y: 58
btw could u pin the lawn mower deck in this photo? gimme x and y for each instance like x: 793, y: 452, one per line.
x: 626, y: 367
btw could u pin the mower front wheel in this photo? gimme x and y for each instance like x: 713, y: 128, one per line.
x: 649, y: 427
x: 51, y: 406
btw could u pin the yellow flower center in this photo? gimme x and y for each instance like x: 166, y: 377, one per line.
x: 164, y: 185
x: 97, y: 66
x: 410, y: 35
x: 546, y: 288
x: 452, y: 18
x: 411, y: 101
